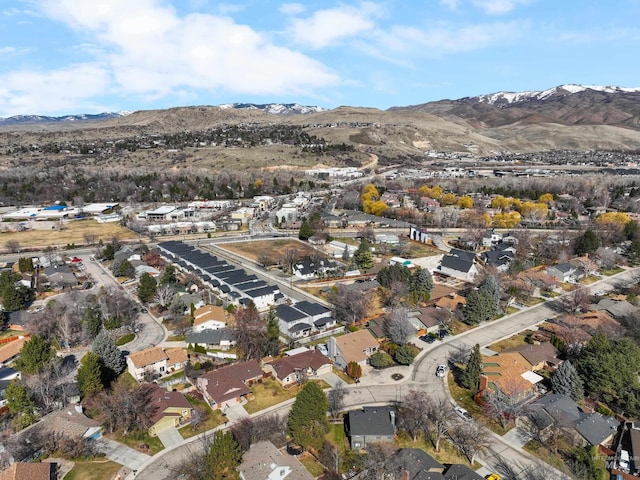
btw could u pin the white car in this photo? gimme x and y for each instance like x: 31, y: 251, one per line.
x: 462, y: 413
x: 441, y: 370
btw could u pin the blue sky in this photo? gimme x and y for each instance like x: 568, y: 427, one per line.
x: 88, y: 56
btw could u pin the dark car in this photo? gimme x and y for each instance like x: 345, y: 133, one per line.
x: 443, y: 333
x: 427, y: 338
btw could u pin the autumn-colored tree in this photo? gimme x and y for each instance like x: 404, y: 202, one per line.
x: 465, y: 202
x: 448, y: 199
x: 354, y: 370
x: 506, y: 219
x: 545, y: 198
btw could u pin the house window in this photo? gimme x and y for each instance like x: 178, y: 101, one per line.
x: 162, y: 369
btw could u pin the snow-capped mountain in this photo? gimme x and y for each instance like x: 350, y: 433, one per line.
x: 562, y: 90
x: 83, y: 117
x: 276, y: 108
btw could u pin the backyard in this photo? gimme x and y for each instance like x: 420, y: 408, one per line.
x: 211, y: 418
x: 95, y: 470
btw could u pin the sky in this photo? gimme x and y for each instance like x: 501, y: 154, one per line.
x: 60, y: 57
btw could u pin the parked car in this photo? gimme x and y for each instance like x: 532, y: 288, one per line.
x: 493, y: 476
x: 428, y: 338
x: 462, y: 413
x: 443, y: 333
x: 441, y: 370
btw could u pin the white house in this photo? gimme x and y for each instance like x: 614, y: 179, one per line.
x: 209, y: 317
x: 156, y: 362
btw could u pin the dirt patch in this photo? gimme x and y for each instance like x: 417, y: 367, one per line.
x: 72, y: 233
x: 274, y: 249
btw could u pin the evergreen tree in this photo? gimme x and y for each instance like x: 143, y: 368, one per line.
x: 36, y: 354
x: 92, y: 321
x: 492, y: 289
x: 421, y: 284
x: 308, y: 422
x: 20, y: 404
x: 363, y: 256
x: 125, y: 269
x: 395, y: 273
x: 89, y: 376
x: 587, y: 243
x: 169, y: 276
x: 272, y: 344
x: 306, y: 231
x: 345, y: 255
x: 478, y: 308
x: 470, y: 378
x: 634, y: 252
x: 112, y: 359
x: 223, y: 458
x: 147, y: 288
x: 566, y: 381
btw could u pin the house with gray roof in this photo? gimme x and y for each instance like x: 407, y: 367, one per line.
x: 563, y: 272
x: 618, y: 309
x: 220, y: 339
x: 370, y: 425
x: 263, y: 461
x: 459, y: 264
x: 413, y: 464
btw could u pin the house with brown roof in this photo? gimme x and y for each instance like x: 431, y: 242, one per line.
x: 229, y: 385
x: 156, y: 362
x: 263, y: 461
x: 356, y: 347
x: 209, y: 317
x: 540, y: 355
x: 291, y: 369
x: 172, y: 409
x: 30, y: 471
x: 451, y: 302
x: 508, y: 373
x: 10, y: 350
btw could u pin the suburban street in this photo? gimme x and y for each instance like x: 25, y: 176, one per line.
x: 379, y: 388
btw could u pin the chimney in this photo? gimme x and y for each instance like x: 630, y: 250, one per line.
x: 78, y: 408
x: 405, y: 475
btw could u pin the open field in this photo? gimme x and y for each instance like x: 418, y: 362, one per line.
x: 72, y: 233
x: 274, y: 249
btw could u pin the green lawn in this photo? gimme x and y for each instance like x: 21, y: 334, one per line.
x: 123, y: 340
x: 513, y: 341
x: 212, y: 419
x: 448, y: 453
x: 611, y: 271
x: 96, y: 470
x: 313, y: 466
x: 270, y: 392
x: 143, y: 442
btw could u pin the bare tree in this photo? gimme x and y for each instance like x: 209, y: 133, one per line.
x: 350, y: 304
x: 576, y: 300
x: 90, y: 238
x: 505, y: 409
x: 413, y: 412
x: 165, y: 295
x: 439, y: 416
x: 460, y: 354
x: 397, y: 326
x: 336, y: 399
x: 127, y: 408
x: 251, y: 333
x: 515, y: 470
x: 469, y: 439
x: 13, y: 246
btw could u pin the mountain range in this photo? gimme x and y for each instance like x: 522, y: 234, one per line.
x: 566, y: 117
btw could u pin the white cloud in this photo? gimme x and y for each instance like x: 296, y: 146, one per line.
x: 450, y: 4
x: 446, y: 39
x: 151, y: 51
x: 498, y: 7
x: 34, y: 91
x: 327, y: 27
x: 292, y: 8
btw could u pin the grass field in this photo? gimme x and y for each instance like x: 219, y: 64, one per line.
x: 72, y: 233
x: 212, y: 419
x: 97, y: 470
x: 514, y: 341
x: 274, y: 249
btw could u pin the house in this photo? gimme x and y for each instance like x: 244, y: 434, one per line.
x: 229, y: 385
x: 618, y: 309
x: 459, y: 264
x: 562, y: 272
x: 634, y: 439
x: 307, y: 268
x: 292, y: 369
x: 220, y: 339
x: 7, y: 374
x: 458, y: 471
x: 156, y: 362
x: 293, y: 322
x: 412, y: 464
x: 430, y: 319
x: 370, y: 425
x: 10, y: 350
x: 451, y: 302
x: 419, y: 235
x: 71, y: 422
x: 30, y: 471
x: 263, y: 461
x: 60, y: 276
x: 209, y: 317
x: 401, y: 261
x: 171, y: 409
x: 498, y: 259
x: 356, y: 347
x: 542, y: 355
x: 508, y: 374
x: 591, y: 428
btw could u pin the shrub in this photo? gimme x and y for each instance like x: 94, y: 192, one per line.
x: 405, y: 354
x: 380, y: 360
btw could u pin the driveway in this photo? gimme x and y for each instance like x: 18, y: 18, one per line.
x: 121, y: 454
x: 170, y: 437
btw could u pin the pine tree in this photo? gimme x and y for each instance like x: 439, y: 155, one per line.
x: 587, y: 243
x: 308, y: 422
x: 566, y: 381
x: 492, y: 289
x: 92, y: 321
x: 421, y: 284
x: 89, y: 376
x: 306, y: 230
x: 363, y: 256
x: 35, y: 356
x: 147, y: 288
x: 223, y: 457
x: 470, y: 378
x: 272, y: 346
x: 112, y: 359
x: 478, y: 307
x: 20, y: 404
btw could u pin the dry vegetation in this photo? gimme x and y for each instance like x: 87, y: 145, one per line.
x: 272, y: 248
